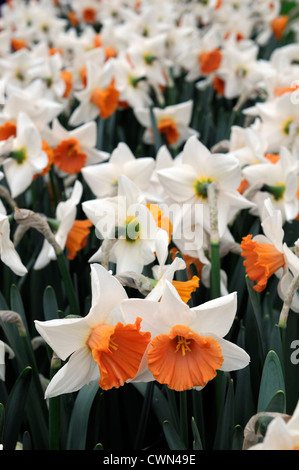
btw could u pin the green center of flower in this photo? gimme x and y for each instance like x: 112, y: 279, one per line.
x: 241, y: 72
x: 19, y: 155
x: 201, y: 187
x: 135, y: 80
x: 130, y: 230
x: 286, y: 126
x: 149, y: 58
x: 277, y: 191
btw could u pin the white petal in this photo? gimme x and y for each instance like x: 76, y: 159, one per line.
x: 173, y: 310
x: 107, y: 293
x: 148, y: 310
x: 64, y: 335
x: 234, y: 357
x: 80, y: 370
x: 215, y: 316
x: 19, y: 177
x: 178, y: 182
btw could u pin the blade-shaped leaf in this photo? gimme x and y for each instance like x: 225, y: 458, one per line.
x: 272, y: 381
x: 14, y: 410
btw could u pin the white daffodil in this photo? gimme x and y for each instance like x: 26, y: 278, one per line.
x: 280, y: 121
x: 240, y: 69
x: 248, y: 145
x: 26, y: 156
x: 103, y: 178
x: 150, y: 53
x: 100, y: 346
x: 75, y: 149
x: 31, y: 101
x: 131, y: 82
x: 187, y: 346
x: 267, y: 254
x: 99, y: 97
x: 172, y: 122
x: 8, y: 253
x: 126, y: 222
x: 281, y: 434
x: 279, y: 181
x: 65, y: 216
x: 187, y: 184
x: 21, y: 67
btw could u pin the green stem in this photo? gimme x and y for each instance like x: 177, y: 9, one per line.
x: 147, y: 406
x: 215, y: 271
x: 54, y: 410
x: 69, y: 288
x: 184, y: 418
x: 53, y: 187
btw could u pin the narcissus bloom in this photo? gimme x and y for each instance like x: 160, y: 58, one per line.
x: 100, y: 346
x: 75, y: 149
x: 103, y: 178
x: 267, y: 254
x: 26, y: 156
x: 187, y: 183
x: 187, y: 344
x: 279, y: 181
x: 99, y: 97
x: 130, y: 227
x: 172, y: 123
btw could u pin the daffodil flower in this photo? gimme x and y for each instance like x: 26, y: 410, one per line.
x: 267, y: 254
x: 75, y: 149
x: 187, y: 344
x: 103, y: 178
x: 26, y: 156
x: 127, y: 222
x: 172, y: 122
x: 279, y: 181
x: 187, y: 183
x: 100, y: 346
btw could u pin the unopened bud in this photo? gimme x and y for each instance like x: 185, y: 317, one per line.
x: 10, y: 316
x: 29, y: 219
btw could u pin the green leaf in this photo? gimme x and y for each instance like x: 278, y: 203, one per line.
x: 2, y: 421
x: 257, y: 310
x: 272, y: 381
x: 160, y: 403
x: 80, y: 416
x: 16, y: 304
x: 238, y: 437
x: 98, y: 447
x: 226, y: 422
x: 14, y: 410
x: 277, y: 403
x: 173, y: 439
x: 50, y: 304
x: 197, y: 445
